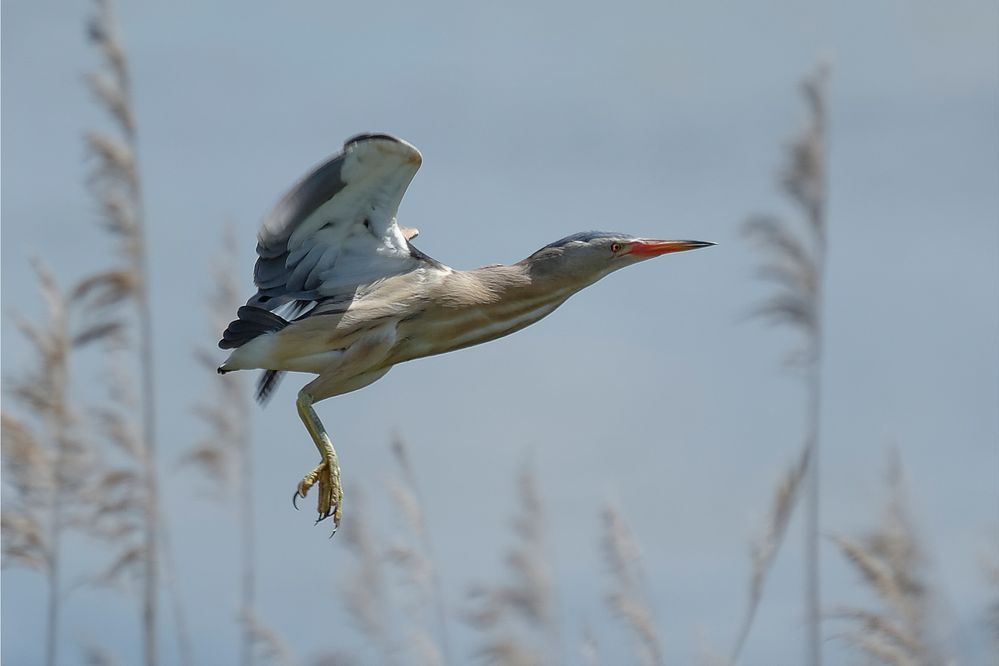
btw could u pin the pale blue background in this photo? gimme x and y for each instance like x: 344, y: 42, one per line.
x: 649, y: 389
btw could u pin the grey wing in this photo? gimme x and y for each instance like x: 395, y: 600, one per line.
x: 336, y: 229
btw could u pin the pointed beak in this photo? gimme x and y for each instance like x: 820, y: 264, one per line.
x: 653, y: 248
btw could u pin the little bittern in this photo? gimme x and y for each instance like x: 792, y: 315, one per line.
x: 358, y: 297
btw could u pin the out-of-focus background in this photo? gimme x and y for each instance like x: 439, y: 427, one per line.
x: 651, y: 392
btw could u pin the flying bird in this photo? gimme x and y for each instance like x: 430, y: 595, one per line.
x: 356, y: 297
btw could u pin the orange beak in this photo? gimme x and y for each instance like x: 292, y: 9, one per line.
x: 653, y: 248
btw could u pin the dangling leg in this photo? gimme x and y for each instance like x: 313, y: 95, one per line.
x: 327, y: 473
x: 349, y: 373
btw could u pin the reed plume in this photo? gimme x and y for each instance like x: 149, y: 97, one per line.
x: 267, y: 646
x: 625, y: 596
x: 796, y: 257
x: 366, y: 591
x: 116, y: 186
x: 891, y: 562
x: 224, y: 456
x: 528, y: 596
x: 47, y: 459
x: 765, y: 548
x: 97, y: 656
x: 393, y: 592
x: 412, y: 556
x: 589, y: 648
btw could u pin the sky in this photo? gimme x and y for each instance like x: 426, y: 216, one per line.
x: 650, y: 390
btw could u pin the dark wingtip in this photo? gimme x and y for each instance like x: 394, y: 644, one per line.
x: 367, y: 137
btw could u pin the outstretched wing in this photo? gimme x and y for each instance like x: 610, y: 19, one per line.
x: 336, y: 230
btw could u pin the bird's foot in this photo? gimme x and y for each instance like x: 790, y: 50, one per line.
x: 330, y: 503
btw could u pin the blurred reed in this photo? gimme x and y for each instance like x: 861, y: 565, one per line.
x: 365, y: 592
x: 393, y: 592
x: 97, y: 656
x: 116, y: 185
x: 795, y: 264
x: 589, y: 648
x: 891, y: 564
x: 113, y: 494
x: 765, y: 547
x: 626, y: 596
x: 48, y: 460
x: 224, y: 456
x: 267, y: 646
x: 413, y: 557
x: 517, y: 617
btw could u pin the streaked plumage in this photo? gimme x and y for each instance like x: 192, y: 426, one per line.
x: 333, y: 249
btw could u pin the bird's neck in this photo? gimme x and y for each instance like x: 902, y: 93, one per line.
x: 506, y: 286
x: 471, y: 307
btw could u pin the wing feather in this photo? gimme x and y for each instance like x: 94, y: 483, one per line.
x: 336, y: 230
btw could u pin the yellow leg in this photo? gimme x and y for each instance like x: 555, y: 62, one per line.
x: 327, y: 473
x: 356, y: 368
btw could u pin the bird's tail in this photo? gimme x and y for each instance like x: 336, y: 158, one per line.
x: 250, y: 323
x: 266, y: 384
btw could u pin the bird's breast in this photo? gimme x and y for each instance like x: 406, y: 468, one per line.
x: 441, y: 328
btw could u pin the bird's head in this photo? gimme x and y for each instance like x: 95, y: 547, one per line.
x: 586, y: 257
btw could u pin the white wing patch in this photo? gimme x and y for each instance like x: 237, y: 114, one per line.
x: 336, y: 229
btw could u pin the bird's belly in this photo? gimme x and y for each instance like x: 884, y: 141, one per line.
x: 272, y: 351
x: 314, y: 363
x: 445, y: 330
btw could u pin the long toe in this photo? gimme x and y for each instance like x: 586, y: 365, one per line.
x: 329, y: 503
x: 306, y: 483
x: 323, y: 501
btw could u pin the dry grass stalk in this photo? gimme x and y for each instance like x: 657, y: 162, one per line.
x: 890, y: 562
x: 416, y: 564
x: 529, y: 595
x: 94, y: 655
x: 764, y: 549
x: 589, y: 648
x: 400, y: 629
x: 795, y: 264
x: 334, y: 659
x: 507, y: 650
x: 365, y: 592
x: 224, y: 455
x: 626, y: 597
x: 417, y: 576
x: 225, y: 412
x: 28, y: 467
x: 267, y: 646
x: 707, y: 653
x: 47, y: 462
x: 116, y: 185
x: 120, y: 492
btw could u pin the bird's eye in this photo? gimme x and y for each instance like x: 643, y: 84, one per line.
x: 615, y: 247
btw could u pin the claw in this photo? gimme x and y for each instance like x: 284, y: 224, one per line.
x: 294, y: 500
x: 323, y: 516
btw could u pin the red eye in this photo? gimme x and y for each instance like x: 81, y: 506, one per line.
x: 615, y: 247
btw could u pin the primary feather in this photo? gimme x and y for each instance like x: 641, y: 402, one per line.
x: 336, y: 229
x: 332, y: 233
